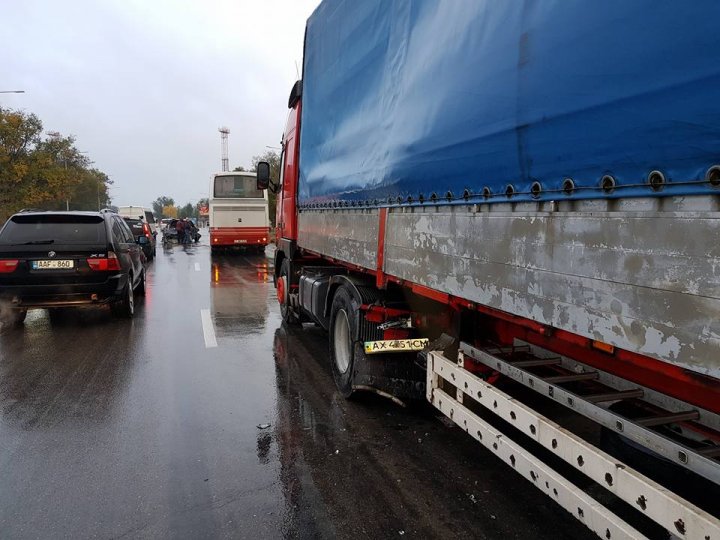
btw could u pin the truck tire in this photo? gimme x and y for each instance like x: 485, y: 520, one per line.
x: 283, y: 292
x: 343, y: 346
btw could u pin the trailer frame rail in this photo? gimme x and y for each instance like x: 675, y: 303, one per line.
x: 681, y: 518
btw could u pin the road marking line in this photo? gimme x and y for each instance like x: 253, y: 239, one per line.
x: 197, y: 267
x: 208, y: 329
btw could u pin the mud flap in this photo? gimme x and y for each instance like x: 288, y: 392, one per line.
x: 395, y: 374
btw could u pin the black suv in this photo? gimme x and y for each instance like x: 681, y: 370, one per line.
x: 138, y: 229
x: 63, y: 259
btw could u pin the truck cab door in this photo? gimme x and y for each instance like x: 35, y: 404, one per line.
x: 286, y: 214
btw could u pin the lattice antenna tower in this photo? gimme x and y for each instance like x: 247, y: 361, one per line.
x: 224, y: 132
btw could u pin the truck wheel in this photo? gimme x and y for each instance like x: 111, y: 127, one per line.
x: 283, y: 293
x: 343, y: 349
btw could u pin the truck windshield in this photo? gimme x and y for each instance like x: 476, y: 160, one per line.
x: 237, y: 187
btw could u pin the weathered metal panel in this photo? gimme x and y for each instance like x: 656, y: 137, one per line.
x: 643, y: 281
x: 346, y: 235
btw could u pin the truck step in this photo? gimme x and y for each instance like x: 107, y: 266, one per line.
x: 457, y: 393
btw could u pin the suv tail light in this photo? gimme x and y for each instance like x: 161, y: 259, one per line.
x: 8, y: 265
x: 146, y: 230
x: 109, y: 264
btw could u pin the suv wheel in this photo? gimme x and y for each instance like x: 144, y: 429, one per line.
x: 57, y: 315
x: 125, y: 307
x: 140, y: 289
x: 12, y: 316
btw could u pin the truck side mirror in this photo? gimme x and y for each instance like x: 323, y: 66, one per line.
x: 263, y: 175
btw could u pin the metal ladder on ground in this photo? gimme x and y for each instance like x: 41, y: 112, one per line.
x: 589, y: 392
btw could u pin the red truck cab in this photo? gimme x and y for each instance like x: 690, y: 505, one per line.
x: 286, y: 211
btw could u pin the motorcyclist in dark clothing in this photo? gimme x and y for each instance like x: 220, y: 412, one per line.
x: 188, y: 228
x: 180, y: 228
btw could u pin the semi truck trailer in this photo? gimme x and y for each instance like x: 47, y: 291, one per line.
x: 512, y: 210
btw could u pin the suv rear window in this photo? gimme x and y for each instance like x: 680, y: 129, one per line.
x: 53, y: 229
x: 136, y: 226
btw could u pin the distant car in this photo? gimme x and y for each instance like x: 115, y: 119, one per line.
x: 170, y: 231
x: 141, y: 213
x: 64, y: 259
x: 140, y: 228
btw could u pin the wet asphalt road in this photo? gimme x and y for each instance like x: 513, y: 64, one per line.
x: 139, y: 429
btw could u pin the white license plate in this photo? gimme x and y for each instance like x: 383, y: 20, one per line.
x: 59, y: 264
x: 241, y: 241
x: 395, y: 345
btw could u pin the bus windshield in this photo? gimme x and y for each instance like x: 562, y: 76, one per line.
x: 237, y: 187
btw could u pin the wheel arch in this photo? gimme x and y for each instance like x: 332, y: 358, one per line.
x: 279, y: 258
x: 363, y: 291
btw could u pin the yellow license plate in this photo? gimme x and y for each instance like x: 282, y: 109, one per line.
x: 395, y: 345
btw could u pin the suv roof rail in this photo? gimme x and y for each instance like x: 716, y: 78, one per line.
x: 108, y: 211
x: 31, y: 210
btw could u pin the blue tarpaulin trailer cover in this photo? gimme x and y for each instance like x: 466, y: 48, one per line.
x: 410, y: 98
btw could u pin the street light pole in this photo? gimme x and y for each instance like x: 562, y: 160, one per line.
x: 12, y: 91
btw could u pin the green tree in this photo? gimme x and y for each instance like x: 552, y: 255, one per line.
x: 56, y: 172
x: 92, y: 193
x: 160, y: 204
x: 49, y: 173
x: 20, y: 132
x: 187, y: 211
x: 273, y: 159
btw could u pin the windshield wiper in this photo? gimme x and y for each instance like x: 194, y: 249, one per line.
x: 36, y: 242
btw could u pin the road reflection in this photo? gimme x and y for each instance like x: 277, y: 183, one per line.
x: 302, y: 440
x: 239, y: 294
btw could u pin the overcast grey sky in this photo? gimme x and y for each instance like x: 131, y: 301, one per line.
x: 145, y: 84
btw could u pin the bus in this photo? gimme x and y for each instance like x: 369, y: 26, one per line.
x: 238, y: 212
